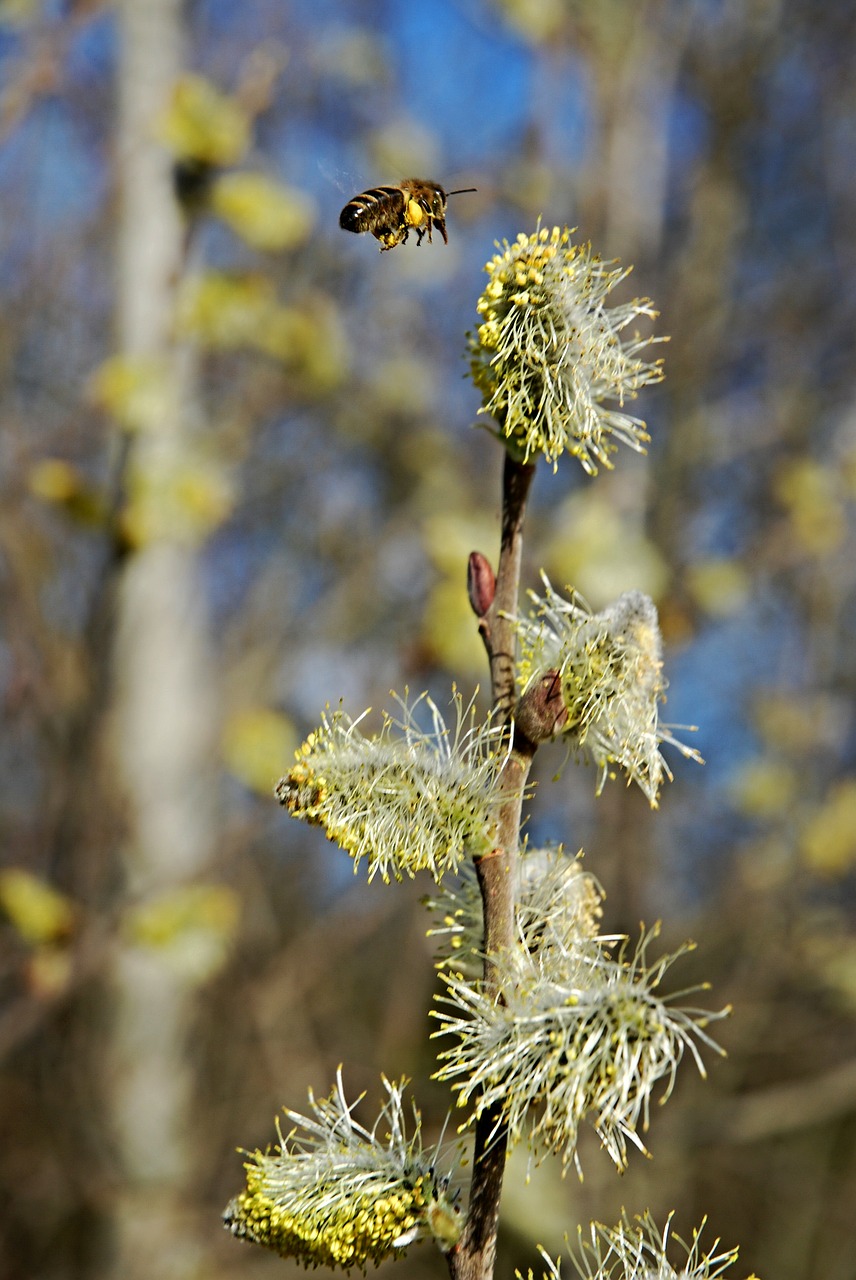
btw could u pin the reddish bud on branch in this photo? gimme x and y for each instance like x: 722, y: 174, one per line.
x: 541, y: 712
x: 481, y: 583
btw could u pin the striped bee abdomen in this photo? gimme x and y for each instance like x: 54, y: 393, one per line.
x: 371, y: 210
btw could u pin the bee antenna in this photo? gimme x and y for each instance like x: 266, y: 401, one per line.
x: 461, y: 191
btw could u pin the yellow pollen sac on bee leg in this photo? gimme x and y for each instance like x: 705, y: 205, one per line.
x: 414, y: 213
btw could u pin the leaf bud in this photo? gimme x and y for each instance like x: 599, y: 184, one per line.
x: 481, y: 583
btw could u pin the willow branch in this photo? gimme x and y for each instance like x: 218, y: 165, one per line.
x: 475, y: 1255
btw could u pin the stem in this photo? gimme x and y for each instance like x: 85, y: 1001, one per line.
x: 497, y: 627
x: 475, y: 1255
x: 496, y: 871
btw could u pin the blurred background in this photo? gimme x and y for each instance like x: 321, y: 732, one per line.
x: 240, y: 481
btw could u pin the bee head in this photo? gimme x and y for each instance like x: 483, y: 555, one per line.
x: 437, y: 201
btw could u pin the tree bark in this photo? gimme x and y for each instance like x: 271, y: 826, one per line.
x: 164, y: 715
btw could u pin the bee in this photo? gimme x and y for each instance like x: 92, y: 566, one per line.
x: 390, y: 213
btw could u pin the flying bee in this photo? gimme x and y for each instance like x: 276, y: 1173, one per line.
x: 390, y: 213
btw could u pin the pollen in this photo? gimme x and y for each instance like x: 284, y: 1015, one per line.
x: 407, y: 799
x: 609, y: 669
x: 550, y: 354
x: 335, y: 1194
x: 415, y: 214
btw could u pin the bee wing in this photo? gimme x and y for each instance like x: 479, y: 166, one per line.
x: 344, y: 180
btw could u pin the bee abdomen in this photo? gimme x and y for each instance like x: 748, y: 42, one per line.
x: 370, y: 208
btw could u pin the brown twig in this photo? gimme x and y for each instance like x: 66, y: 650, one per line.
x: 475, y: 1254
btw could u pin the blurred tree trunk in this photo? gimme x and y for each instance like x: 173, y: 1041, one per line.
x: 165, y: 717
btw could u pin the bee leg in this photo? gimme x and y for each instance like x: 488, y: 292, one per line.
x: 389, y: 239
x: 440, y: 223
